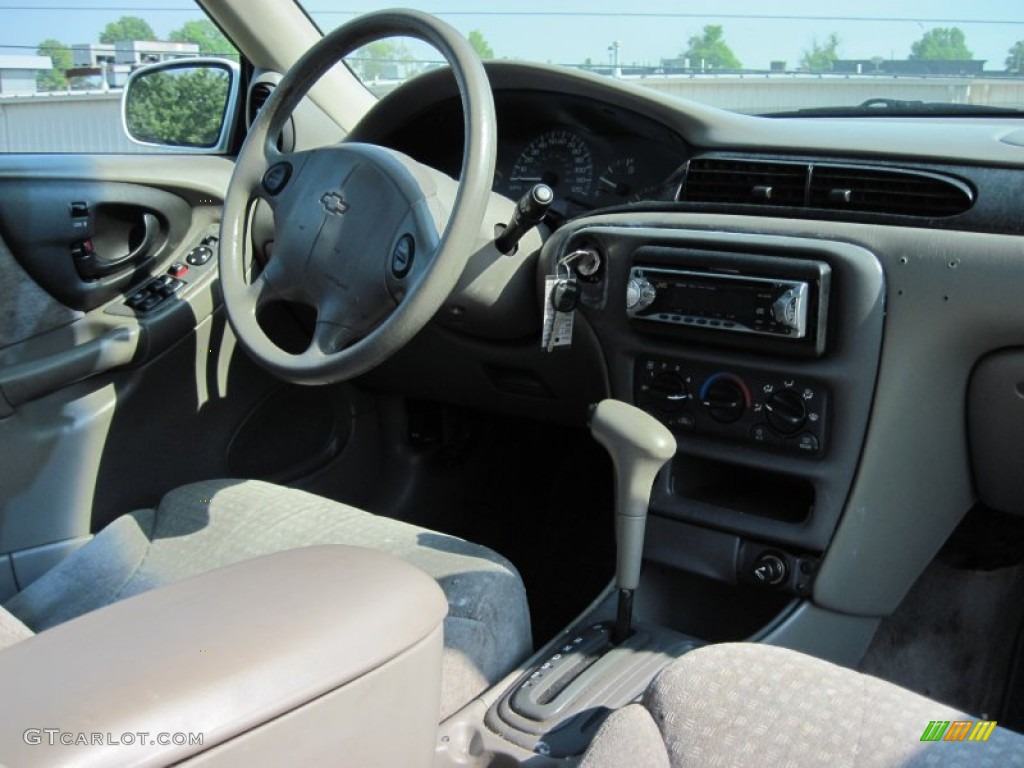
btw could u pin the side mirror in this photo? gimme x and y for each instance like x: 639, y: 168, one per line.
x: 189, y: 105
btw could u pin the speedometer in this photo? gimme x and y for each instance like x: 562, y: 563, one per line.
x: 559, y: 158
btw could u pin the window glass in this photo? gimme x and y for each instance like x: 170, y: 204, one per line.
x: 63, y: 66
x: 744, y: 55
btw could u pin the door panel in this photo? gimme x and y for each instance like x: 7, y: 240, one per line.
x: 106, y: 406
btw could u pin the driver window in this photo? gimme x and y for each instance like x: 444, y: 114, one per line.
x: 63, y: 71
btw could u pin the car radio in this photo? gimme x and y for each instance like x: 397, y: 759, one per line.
x: 736, y: 303
x: 766, y: 299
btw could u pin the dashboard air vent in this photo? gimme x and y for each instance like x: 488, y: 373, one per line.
x: 879, y: 190
x: 749, y: 182
x: 258, y: 96
x: 834, y: 187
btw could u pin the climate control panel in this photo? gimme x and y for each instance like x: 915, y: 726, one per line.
x: 767, y: 410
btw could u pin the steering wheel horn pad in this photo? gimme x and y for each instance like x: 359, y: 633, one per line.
x: 342, y: 214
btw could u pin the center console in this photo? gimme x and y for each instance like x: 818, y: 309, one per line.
x: 759, y: 354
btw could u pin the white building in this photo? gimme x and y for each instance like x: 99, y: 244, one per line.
x: 91, y: 55
x: 129, y: 52
x: 18, y: 73
x: 134, y: 52
x: 111, y: 63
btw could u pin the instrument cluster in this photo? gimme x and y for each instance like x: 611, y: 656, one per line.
x: 587, y: 169
x: 593, y: 154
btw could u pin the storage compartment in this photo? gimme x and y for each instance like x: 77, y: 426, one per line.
x: 705, y: 608
x: 746, y: 490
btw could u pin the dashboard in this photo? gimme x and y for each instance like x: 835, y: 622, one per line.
x: 905, y: 233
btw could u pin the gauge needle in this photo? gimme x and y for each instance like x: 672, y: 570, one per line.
x: 525, y: 178
x: 608, y: 182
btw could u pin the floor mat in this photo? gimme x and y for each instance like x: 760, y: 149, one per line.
x: 952, y: 638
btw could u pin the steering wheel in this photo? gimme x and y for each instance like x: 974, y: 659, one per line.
x: 360, y: 232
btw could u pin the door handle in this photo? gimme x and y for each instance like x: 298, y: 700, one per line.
x: 91, y: 267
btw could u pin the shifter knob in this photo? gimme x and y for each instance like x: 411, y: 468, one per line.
x: 639, y: 446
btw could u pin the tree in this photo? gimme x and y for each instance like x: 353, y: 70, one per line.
x: 709, y: 51
x: 480, y: 45
x: 204, y: 33
x: 821, y: 56
x: 1015, y: 58
x: 127, y: 28
x: 941, y: 44
x: 381, y: 59
x: 60, y: 55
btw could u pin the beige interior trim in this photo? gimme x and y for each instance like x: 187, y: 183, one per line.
x: 219, y: 654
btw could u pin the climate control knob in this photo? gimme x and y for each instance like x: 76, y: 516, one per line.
x: 786, y: 411
x: 667, y: 393
x: 725, y: 400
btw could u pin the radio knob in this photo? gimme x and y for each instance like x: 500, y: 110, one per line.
x: 786, y: 411
x: 725, y: 401
x: 640, y: 294
x: 786, y: 309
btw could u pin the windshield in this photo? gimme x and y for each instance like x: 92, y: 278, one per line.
x: 744, y: 55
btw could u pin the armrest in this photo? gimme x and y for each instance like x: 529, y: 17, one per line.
x: 219, y: 655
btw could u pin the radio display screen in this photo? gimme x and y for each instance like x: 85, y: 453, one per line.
x: 732, y: 299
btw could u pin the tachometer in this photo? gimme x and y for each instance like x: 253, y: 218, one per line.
x: 559, y: 158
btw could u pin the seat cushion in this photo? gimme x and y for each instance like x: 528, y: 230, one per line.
x: 739, y: 704
x: 206, y: 525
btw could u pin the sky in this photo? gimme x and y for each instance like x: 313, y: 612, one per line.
x: 571, y: 31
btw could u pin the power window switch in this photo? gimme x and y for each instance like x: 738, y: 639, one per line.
x: 151, y: 301
x: 168, y: 288
x: 135, y: 300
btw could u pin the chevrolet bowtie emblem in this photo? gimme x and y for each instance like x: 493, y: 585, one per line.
x: 334, y: 203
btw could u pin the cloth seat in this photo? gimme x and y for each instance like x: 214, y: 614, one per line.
x: 206, y: 525
x: 743, y: 704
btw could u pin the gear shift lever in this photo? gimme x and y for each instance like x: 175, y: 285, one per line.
x: 639, y: 446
